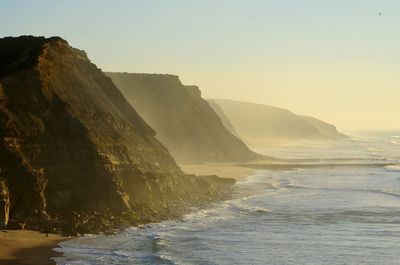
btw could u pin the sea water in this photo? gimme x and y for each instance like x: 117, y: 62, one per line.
x: 332, y: 214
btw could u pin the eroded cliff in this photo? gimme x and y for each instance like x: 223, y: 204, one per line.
x: 327, y: 130
x: 74, y: 154
x: 263, y: 125
x: 184, y: 121
x: 221, y: 114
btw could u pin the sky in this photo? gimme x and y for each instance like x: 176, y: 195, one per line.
x: 337, y: 60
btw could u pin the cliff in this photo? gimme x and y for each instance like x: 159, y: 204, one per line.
x: 221, y: 114
x: 184, y: 121
x: 74, y: 154
x: 263, y: 125
x: 325, y: 129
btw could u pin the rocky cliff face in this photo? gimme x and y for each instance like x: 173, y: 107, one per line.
x: 184, y: 121
x: 74, y: 154
x: 262, y: 125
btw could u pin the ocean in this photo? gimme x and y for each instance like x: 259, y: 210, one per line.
x: 346, y: 210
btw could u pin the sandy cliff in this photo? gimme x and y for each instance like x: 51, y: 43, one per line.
x: 74, y: 154
x: 225, y: 121
x: 184, y: 121
x: 261, y: 124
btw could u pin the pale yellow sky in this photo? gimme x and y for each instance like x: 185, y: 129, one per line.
x: 351, y: 95
x: 335, y: 60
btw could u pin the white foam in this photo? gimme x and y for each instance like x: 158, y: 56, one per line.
x: 297, y: 186
x: 385, y: 192
x: 393, y: 167
x: 395, y: 142
x: 242, y: 207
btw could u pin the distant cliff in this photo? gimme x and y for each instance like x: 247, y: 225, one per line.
x: 185, y: 123
x: 325, y: 129
x: 74, y: 154
x: 261, y: 124
x: 225, y: 121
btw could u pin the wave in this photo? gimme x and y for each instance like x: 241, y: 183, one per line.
x: 395, y: 142
x: 261, y: 180
x: 273, y: 185
x: 294, y: 185
x: 359, y: 216
x: 384, y: 191
x: 227, y: 210
x: 379, y: 191
x: 328, y: 160
x: 393, y: 168
x: 247, y: 209
x: 299, y: 166
x: 159, y: 258
x: 297, y: 186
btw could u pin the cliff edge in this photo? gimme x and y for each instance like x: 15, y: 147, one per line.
x: 259, y: 124
x: 74, y: 154
x: 184, y: 121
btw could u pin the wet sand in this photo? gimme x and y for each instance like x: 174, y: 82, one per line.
x: 24, y: 247
x: 240, y: 171
x: 223, y: 170
x: 289, y: 166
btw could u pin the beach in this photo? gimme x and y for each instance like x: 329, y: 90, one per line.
x: 223, y: 170
x: 333, y: 197
x: 326, y: 205
x: 25, y: 247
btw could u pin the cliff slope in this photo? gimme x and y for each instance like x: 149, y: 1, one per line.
x: 225, y: 121
x: 184, y: 121
x: 261, y: 124
x: 74, y: 154
x: 325, y: 129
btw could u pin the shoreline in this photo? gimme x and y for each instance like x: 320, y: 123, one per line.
x: 289, y: 166
x: 222, y: 170
x: 26, y: 247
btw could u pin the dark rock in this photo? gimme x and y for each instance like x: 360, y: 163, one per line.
x: 75, y: 156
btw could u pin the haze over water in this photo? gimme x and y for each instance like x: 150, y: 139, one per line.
x: 334, y: 214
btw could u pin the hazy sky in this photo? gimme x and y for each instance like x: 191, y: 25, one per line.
x: 338, y: 60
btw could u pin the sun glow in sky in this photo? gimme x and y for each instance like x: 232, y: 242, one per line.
x: 335, y: 60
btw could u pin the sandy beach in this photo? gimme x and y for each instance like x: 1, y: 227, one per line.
x: 224, y: 170
x: 24, y: 247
